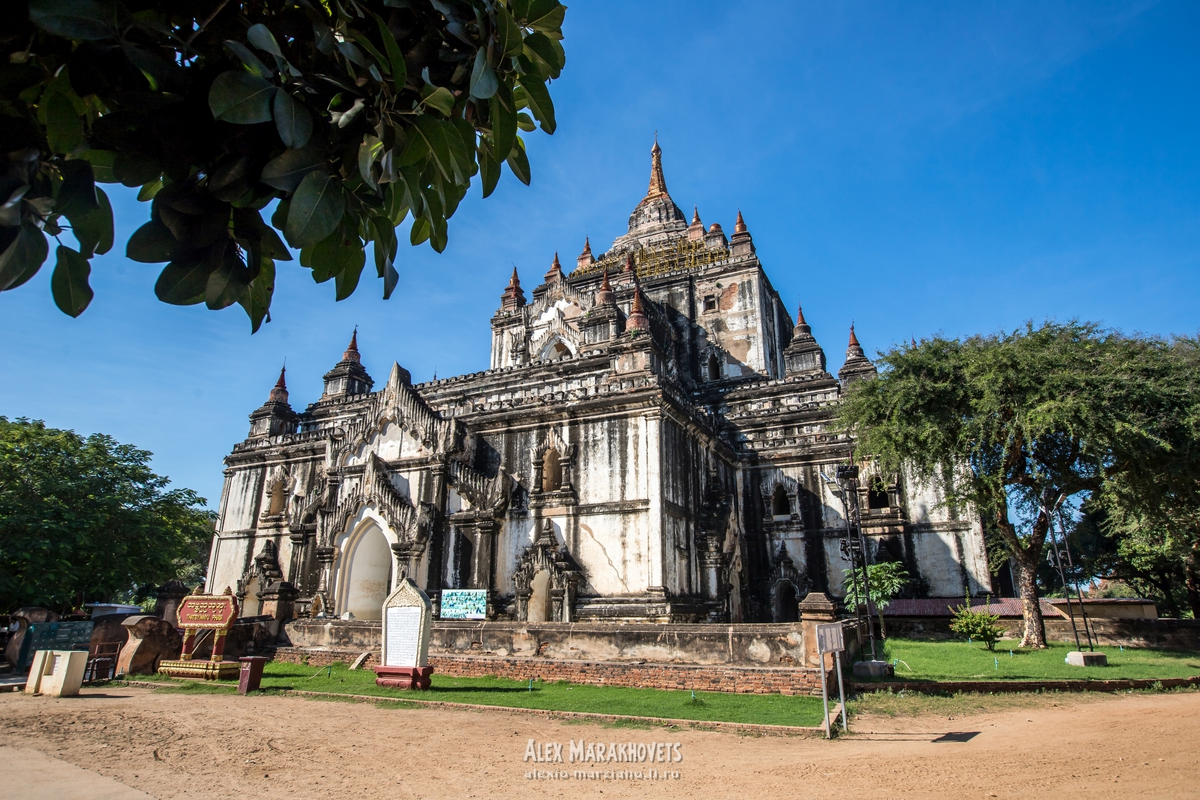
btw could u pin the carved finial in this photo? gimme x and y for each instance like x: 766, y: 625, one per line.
x: 555, y: 272
x: 604, y: 286
x: 637, y: 316
x: 280, y: 393
x: 658, y: 184
x: 351, y: 353
x: 800, y: 315
x: 853, y: 338
x: 740, y: 225
x: 587, y: 246
x: 914, y: 341
x: 513, y: 298
x: 696, y: 215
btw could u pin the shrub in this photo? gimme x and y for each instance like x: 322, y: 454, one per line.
x: 981, y: 625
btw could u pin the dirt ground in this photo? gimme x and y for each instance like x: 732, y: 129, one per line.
x: 201, y: 746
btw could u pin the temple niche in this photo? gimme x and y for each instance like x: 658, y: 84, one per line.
x: 647, y: 445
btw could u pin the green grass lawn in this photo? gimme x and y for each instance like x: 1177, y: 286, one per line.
x: 770, y: 709
x: 943, y: 661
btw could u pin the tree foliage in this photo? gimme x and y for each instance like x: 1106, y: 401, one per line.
x: 1020, y: 425
x: 978, y: 624
x: 87, y: 520
x: 887, y: 579
x: 354, y: 114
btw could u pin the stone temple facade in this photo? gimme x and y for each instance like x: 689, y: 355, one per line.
x: 649, y: 444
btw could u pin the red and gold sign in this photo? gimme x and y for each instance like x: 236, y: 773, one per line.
x: 207, y: 611
x: 197, y: 612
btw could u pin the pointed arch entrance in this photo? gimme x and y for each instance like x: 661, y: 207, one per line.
x: 365, y: 576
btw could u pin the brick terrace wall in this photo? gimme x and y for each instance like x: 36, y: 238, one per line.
x: 1167, y: 634
x: 742, y: 680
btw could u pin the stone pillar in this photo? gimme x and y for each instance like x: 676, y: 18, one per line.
x: 816, y: 609
x: 170, y: 595
x: 325, y: 557
x: 299, y: 541
x: 537, y: 473
x: 481, y: 569
x: 407, y: 554
x: 279, y: 600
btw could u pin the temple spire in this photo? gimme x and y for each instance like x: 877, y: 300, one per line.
x: 740, y: 225
x: 555, y: 273
x: 637, y: 320
x: 857, y: 365
x: 513, y: 298
x: 279, y: 394
x: 351, y: 353
x: 854, y: 339
x: 658, y: 184
x: 604, y: 295
x: 800, y: 315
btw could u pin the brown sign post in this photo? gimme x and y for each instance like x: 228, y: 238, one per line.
x: 198, y: 612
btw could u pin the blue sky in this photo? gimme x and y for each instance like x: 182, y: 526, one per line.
x: 916, y: 167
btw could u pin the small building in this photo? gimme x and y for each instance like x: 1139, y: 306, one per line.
x: 648, y: 444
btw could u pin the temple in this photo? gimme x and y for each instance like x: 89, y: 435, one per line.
x: 652, y: 442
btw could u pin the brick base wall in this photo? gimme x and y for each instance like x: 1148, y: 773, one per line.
x: 747, y: 680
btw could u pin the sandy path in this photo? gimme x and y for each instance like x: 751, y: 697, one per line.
x: 175, y: 746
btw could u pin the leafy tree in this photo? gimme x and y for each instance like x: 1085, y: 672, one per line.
x: 86, y: 520
x: 977, y: 624
x: 353, y: 114
x: 886, y: 579
x: 1019, y: 425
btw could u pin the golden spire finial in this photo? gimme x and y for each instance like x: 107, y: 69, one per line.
x: 658, y: 184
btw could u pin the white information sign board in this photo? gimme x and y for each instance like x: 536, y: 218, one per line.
x: 407, y: 618
x: 829, y: 638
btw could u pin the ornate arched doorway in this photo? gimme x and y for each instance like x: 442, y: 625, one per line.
x: 366, y: 574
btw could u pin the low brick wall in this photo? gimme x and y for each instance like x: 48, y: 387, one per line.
x: 1165, y: 634
x: 991, y: 687
x: 644, y: 675
x: 743, y: 645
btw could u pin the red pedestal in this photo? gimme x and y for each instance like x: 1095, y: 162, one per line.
x: 403, y: 677
x: 251, y: 673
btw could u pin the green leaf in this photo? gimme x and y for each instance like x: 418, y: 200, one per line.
x: 483, y: 79
x: 262, y: 38
x: 399, y: 69
x: 94, y: 231
x: 152, y: 243
x: 385, y: 253
x: 437, y: 136
x: 149, y: 191
x: 69, y: 283
x: 508, y: 33
x: 335, y: 254
x: 438, y: 97
x: 289, y: 168
x: 183, y: 283
x: 347, y: 279
x: 545, y: 15
x: 71, y: 19
x: 525, y: 122
x: 292, y: 120
x: 102, y: 164
x: 368, y: 151
x: 257, y: 299
x: 248, y: 58
x: 23, y: 257
x: 518, y: 162
x: 539, y: 101
x: 229, y: 181
x: 135, y: 169
x: 419, y: 232
x: 370, y: 48
x: 504, y: 123
x: 77, y: 194
x: 543, y: 47
x: 64, y: 129
x: 489, y: 170
x: 316, y: 209
x: 227, y: 283
x: 240, y: 98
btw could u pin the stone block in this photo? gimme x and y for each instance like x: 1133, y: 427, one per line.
x: 873, y: 669
x: 56, y: 673
x: 151, y: 641
x: 1079, y: 659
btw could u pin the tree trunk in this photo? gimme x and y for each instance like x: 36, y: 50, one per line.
x: 882, y: 624
x: 1031, y: 610
x: 1192, y: 568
